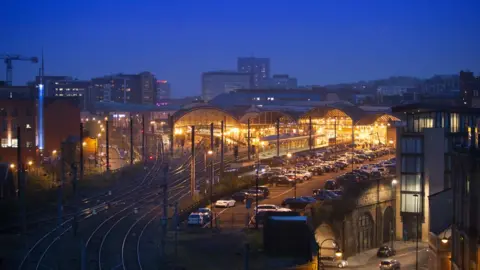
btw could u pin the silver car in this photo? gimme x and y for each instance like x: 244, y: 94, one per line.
x: 389, y: 264
x: 333, y: 262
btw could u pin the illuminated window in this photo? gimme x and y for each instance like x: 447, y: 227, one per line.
x: 411, y: 182
x: 4, y: 142
x: 29, y: 144
x: 411, y: 203
x: 14, y: 143
x: 27, y: 126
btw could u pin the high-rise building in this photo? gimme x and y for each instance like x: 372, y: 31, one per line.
x: 470, y: 89
x: 219, y: 82
x: 163, y: 90
x: 258, y: 67
x: 147, y: 88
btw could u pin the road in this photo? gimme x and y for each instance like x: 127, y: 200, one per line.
x: 407, y: 259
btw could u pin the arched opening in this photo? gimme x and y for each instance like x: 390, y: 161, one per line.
x: 365, y: 227
x: 323, y: 232
x: 376, y: 129
x: 388, y: 225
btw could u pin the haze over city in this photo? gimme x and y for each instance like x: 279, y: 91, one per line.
x: 318, y: 42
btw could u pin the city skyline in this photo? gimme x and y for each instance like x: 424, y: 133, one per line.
x: 381, y: 36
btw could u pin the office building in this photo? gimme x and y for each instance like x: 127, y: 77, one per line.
x: 258, y: 67
x: 219, y: 82
x: 279, y: 81
x: 470, y: 89
x: 163, y: 90
x: 148, y: 89
x: 435, y: 181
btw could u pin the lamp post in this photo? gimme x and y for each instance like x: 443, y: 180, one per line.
x: 289, y: 156
x: 416, y: 234
x: 338, y: 251
x: 210, y: 154
x: 392, y: 226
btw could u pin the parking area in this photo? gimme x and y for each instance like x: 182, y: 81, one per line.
x: 292, y: 184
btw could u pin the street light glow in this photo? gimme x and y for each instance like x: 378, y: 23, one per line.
x: 84, y: 143
x: 394, y: 181
x: 444, y: 240
x: 99, y: 135
x: 338, y: 253
x: 210, y: 152
x: 289, y: 155
x: 30, y: 163
x: 54, y: 152
x: 12, y: 166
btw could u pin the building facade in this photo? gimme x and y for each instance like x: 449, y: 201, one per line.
x: 163, y: 90
x: 258, y: 67
x: 470, y: 89
x: 279, y: 81
x: 436, y: 158
x: 219, y: 82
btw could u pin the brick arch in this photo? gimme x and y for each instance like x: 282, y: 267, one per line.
x: 388, y: 223
x: 324, y: 231
x: 365, y: 231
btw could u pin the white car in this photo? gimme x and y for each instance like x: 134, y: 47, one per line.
x: 271, y: 207
x: 262, y: 168
x: 196, y: 219
x: 205, y: 212
x: 301, y: 174
x: 225, y: 203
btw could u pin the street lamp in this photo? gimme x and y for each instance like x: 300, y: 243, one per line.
x: 417, y: 216
x: 54, y: 152
x: 338, y: 251
x: 12, y: 166
x: 392, y: 226
x: 30, y: 163
x: 289, y: 155
x: 210, y: 153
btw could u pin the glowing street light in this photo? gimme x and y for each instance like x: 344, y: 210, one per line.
x: 394, y: 182
x: 30, y: 163
x: 84, y: 143
x: 54, y: 152
x: 338, y: 253
x: 12, y: 166
x: 99, y: 122
x: 99, y: 135
x: 444, y: 240
x: 210, y: 152
x: 289, y: 155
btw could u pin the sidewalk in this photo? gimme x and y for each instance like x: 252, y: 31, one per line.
x: 365, y: 257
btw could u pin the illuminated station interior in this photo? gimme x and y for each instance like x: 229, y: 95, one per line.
x: 324, y: 125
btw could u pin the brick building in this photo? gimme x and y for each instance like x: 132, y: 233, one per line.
x: 61, y: 120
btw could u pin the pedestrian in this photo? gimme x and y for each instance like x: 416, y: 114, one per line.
x: 405, y: 235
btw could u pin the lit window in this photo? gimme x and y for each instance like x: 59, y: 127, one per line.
x: 27, y: 126
x: 4, y: 142
x: 29, y: 144
x: 14, y: 143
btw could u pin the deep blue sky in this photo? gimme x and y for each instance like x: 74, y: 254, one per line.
x: 318, y: 41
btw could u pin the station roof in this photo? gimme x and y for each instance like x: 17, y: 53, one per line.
x: 128, y: 107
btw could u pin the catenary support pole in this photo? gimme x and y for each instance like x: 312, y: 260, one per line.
x: 248, y: 138
x: 193, y: 182
x: 107, y: 142
x: 222, y: 130
x: 143, y: 139
x: 278, y: 137
x: 131, y: 140
x: 212, y: 176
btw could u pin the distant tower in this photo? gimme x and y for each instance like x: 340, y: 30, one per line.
x: 40, y: 107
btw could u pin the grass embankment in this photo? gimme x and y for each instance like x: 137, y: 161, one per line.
x: 41, y: 195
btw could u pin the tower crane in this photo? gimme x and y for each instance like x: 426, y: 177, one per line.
x: 8, y: 58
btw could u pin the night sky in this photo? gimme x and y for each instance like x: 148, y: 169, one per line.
x: 317, y: 41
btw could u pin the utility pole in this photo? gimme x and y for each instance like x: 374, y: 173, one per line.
x: 193, y: 182
x: 131, y: 140
x: 353, y: 141
x: 222, y: 128
x: 74, y: 184
x: 165, y: 207
x: 248, y: 138
x: 416, y: 234
x: 172, y: 126
x: 212, y: 175
x: 143, y: 139
x: 21, y: 182
x: 310, y: 139
x: 107, y: 141
x: 335, y: 134
x: 60, y: 186
x: 278, y: 137
x: 80, y: 177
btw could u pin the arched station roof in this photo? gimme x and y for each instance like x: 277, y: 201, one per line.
x: 269, y: 116
x: 370, y: 119
x: 203, y: 114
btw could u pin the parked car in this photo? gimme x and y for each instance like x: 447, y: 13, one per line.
x: 206, y: 212
x: 385, y: 251
x: 389, y: 264
x: 226, y: 202
x: 240, y: 196
x: 297, y: 203
x: 283, y: 180
x: 270, y: 207
x: 330, y: 261
x: 265, y: 190
x: 331, y: 185
x: 196, y: 219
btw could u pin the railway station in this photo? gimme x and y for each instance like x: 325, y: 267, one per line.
x: 294, y: 128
